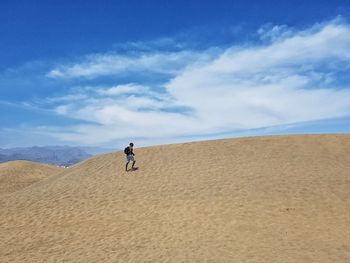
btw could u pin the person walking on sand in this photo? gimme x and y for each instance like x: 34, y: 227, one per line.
x: 129, y: 151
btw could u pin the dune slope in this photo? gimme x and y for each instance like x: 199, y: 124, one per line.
x: 263, y: 199
x: 16, y: 175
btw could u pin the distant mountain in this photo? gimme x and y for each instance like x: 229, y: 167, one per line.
x: 58, y: 155
x: 97, y: 150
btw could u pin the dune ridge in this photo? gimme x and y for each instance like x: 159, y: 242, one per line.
x: 258, y: 199
x: 16, y: 175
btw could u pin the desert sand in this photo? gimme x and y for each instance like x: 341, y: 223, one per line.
x: 16, y: 175
x: 257, y: 199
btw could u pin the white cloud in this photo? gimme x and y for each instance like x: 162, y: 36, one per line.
x: 124, y: 89
x: 269, y: 32
x: 287, y: 81
x: 116, y: 64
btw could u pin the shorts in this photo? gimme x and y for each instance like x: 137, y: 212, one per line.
x: 130, y: 157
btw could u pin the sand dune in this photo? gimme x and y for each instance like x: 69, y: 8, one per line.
x: 16, y: 175
x: 262, y: 199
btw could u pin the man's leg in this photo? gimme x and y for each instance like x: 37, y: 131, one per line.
x: 133, y: 163
x: 126, y: 166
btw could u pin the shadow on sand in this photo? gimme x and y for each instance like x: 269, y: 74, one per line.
x: 133, y: 169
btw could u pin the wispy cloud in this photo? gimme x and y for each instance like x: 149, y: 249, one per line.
x: 97, y: 65
x: 291, y: 78
x: 270, y: 32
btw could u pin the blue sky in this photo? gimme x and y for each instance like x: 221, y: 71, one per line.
x: 154, y: 72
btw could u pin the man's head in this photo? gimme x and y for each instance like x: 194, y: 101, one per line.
x: 131, y: 144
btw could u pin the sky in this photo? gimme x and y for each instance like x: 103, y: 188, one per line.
x: 104, y: 73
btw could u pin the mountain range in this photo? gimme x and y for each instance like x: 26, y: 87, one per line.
x: 57, y: 155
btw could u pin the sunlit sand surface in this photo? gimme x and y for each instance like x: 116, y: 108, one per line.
x: 259, y: 199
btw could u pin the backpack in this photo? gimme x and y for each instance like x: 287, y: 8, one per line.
x: 127, y: 150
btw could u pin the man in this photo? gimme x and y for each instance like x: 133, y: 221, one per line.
x: 129, y: 151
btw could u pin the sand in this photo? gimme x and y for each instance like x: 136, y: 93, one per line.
x: 16, y: 175
x: 258, y: 199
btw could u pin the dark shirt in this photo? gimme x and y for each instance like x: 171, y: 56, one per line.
x: 131, y: 151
